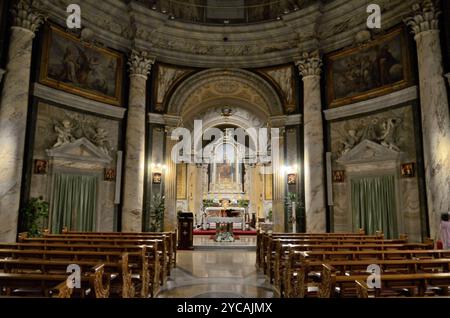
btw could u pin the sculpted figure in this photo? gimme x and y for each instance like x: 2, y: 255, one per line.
x: 64, y: 132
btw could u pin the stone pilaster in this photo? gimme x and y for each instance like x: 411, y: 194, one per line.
x: 279, y: 183
x: 140, y: 65
x: 13, y: 115
x: 424, y: 24
x: 170, y: 184
x: 310, y: 69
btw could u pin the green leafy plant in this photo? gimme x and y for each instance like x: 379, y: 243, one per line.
x: 207, y: 203
x: 35, y: 215
x: 291, y: 199
x: 270, y: 215
x: 157, y: 207
x: 243, y: 203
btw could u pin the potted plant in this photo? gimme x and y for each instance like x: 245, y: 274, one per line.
x: 157, y: 208
x: 35, y: 214
x: 295, y: 211
x: 243, y: 203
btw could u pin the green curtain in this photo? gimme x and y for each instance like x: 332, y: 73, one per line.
x: 374, y: 205
x: 74, y: 202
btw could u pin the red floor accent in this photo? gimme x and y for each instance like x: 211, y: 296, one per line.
x: 213, y: 232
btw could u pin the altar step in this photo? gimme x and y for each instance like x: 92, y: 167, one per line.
x: 205, y: 242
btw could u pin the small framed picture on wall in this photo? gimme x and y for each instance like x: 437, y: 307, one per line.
x: 408, y: 170
x: 156, y: 178
x: 110, y: 175
x: 40, y: 166
x: 338, y: 176
x: 292, y: 178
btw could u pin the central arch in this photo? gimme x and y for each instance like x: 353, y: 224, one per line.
x: 221, y: 86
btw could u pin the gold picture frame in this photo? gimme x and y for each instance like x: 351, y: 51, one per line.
x: 80, y: 68
x: 379, y: 67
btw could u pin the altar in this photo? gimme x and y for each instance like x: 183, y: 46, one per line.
x: 224, y: 220
x: 220, y: 215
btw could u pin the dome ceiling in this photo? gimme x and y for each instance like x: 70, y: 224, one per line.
x: 194, y: 33
x: 225, y: 11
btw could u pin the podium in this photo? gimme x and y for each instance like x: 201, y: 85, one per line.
x: 185, y: 229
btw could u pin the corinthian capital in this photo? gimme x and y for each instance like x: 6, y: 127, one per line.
x: 140, y: 63
x: 425, y: 17
x: 310, y: 64
x: 25, y: 17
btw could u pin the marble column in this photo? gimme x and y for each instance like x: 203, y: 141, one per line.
x: 310, y: 68
x: 13, y: 115
x: 170, y: 185
x: 133, y: 195
x: 435, y: 110
x: 279, y: 185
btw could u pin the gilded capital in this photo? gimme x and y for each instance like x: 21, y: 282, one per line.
x: 425, y: 16
x: 140, y: 63
x: 24, y: 16
x: 310, y: 64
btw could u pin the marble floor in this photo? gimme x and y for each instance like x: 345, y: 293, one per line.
x: 216, y: 273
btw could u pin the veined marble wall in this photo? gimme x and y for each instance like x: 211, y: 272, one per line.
x: 45, y: 138
x: 371, y: 127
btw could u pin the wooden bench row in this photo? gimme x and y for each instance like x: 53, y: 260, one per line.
x: 333, y: 273
x: 125, y: 265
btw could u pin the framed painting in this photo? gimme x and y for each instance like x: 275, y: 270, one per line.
x: 380, y: 67
x: 81, y: 68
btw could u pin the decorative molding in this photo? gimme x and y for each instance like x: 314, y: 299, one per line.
x: 80, y: 150
x: 330, y: 24
x: 278, y: 121
x: 24, y: 16
x: 292, y: 120
x: 425, y: 17
x: 77, y: 102
x: 368, y: 152
x: 309, y: 64
x: 379, y: 103
x: 140, y: 63
x: 172, y: 120
x: 154, y: 118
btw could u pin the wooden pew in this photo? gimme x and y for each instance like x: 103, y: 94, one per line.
x: 53, y: 285
x: 172, y: 246
x: 278, y: 248
x: 266, y: 244
x: 114, y: 261
x: 300, y: 267
x: 416, y: 283
x: 282, y: 251
x: 160, y: 246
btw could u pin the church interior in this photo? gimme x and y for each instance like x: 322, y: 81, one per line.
x: 224, y: 149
